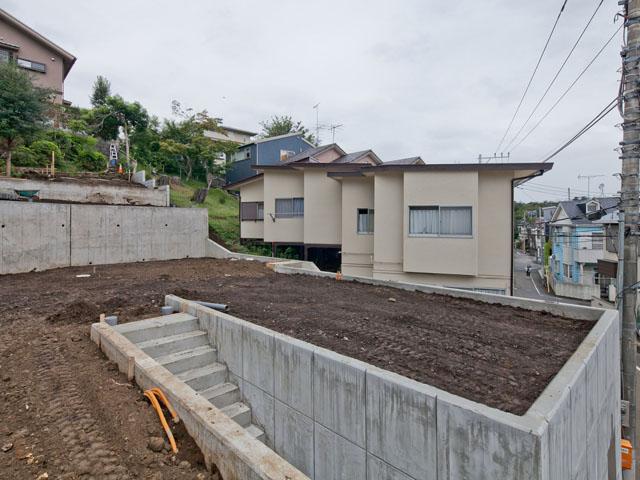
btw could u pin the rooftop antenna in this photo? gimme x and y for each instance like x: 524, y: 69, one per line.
x: 502, y: 157
x: 333, y: 129
x: 317, y: 109
x: 589, y: 177
x: 601, y: 188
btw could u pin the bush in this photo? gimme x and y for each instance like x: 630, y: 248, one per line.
x: 38, y: 154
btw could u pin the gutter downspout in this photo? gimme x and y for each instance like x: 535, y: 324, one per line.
x: 513, y: 180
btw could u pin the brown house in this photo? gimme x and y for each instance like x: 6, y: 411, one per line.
x: 47, y: 63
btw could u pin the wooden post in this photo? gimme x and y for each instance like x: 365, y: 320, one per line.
x: 53, y: 163
x: 131, y: 365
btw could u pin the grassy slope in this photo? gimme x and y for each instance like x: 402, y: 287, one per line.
x: 223, y: 213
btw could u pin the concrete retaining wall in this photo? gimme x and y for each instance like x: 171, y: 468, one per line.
x: 334, y: 417
x: 78, y: 192
x: 41, y: 236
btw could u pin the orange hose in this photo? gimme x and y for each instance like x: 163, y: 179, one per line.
x: 150, y: 394
x: 160, y: 394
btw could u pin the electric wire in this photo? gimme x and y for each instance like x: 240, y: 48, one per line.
x: 568, y: 89
x: 555, y: 77
x: 535, y: 70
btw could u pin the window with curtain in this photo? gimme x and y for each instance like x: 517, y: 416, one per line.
x: 289, y: 207
x: 251, y: 211
x: 455, y: 221
x: 365, y: 220
x: 5, y: 56
x: 436, y: 220
x: 423, y: 220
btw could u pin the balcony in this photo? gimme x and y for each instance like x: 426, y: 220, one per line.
x: 587, y: 255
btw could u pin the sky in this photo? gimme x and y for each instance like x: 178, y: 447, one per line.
x: 410, y: 77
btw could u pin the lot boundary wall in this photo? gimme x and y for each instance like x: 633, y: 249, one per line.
x: 77, y: 192
x: 42, y: 236
x: 332, y: 416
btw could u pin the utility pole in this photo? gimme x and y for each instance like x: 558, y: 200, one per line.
x: 589, y: 177
x: 630, y: 155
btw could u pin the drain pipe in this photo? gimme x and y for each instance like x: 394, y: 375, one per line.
x: 513, y: 181
x: 221, y: 307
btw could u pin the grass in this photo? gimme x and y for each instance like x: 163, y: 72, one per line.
x: 223, y: 213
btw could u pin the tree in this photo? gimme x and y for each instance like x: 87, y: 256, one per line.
x: 185, y: 140
x: 101, y: 91
x: 282, y: 125
x: 23, y: 108
x: 115, y: 114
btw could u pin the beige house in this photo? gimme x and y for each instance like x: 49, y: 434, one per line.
x: 47, y: 63
x: 444, y: 224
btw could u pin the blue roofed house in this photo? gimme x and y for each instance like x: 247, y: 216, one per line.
x: 265, y: 151
x: 577, y: 241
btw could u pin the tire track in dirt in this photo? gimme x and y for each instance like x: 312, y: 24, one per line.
x: 66, y: 415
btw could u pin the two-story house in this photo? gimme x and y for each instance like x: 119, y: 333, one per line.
x: 443, y: 224
x: 577, y: 240
x: 265, y: 151
x: 47, y: 63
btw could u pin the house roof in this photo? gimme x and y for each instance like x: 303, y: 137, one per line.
x: 576, y: 209
x: 278, y: 137
x: 461, y: 167
x: 406, y: 161
x: 239, y: 130
x: 355, y: 156
x: 244, y: 181
x: 312, y: 152
x: 67, y: 59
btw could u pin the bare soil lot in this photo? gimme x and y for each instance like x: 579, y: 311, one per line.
x: 61, y: 399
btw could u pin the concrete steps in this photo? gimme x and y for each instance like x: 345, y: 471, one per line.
x: 176, y: 342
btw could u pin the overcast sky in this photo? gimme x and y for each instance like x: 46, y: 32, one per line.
x: 412, y: 77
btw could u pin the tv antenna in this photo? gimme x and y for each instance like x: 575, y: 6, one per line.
x: 333, y: 128
x: 589, y: 177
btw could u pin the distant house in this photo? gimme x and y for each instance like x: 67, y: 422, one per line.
x: 230, y: 134
x: 441, y: 224
x: 47, y: 63
x: 265, y: 151
x: 577, y: 238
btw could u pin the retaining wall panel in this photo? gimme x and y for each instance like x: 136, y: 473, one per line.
x: 578, y: 423
x: 379, y: 470
x: 257, y: 356
x: 262, y: 409
x: 401, y: 423
x: 229, y: 343
x: 336, y: 458
x: 339, y: 395
x: 294, y: 438
x: 293, y: 374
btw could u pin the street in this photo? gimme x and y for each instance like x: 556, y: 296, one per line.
x: 532, y: 287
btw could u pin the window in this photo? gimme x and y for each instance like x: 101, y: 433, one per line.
x: 5, y: 56
x: 31, y: 65
x: 286, y: 155
x: 251, y: 211
x: 289, y: 207
x: 365, y: 220
x: 435, y: 220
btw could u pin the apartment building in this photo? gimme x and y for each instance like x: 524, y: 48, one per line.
x: 47, y: 63
x: 444, y: 224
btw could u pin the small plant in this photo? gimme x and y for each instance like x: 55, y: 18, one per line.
x: 222, y: 199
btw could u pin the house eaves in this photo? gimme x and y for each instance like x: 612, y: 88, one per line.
x: 67, y: 59
x: 244, y: 181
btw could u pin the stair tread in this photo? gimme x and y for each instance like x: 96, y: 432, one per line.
x: 189, y: 375
x: 184, y: 354
x: 234, y: 409
x: 254, y: 431
x: 171, y: 338
x: 154, y: 322
x: 219, y: 389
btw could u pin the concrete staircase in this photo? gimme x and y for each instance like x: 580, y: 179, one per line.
x: 176, y: 342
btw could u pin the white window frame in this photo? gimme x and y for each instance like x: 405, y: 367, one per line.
x: 371, y: 214
x: 439, y: 209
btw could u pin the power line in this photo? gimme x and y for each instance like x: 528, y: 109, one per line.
x: 603, y: 113
x: 564, y: 94
x: 553, y: 80
x: 535, y: 70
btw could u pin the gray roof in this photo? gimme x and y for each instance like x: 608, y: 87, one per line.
x: 312, y: 152
x: 355, y: 156
x: 575, y: 209
x: 406, y: 161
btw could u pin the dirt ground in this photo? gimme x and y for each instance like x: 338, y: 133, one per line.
x: 68, y: 412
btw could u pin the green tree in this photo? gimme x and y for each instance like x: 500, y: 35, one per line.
x: 282, y: 125
x: 101, y: 91
x: 116, y: 114
x: 184, y: 139
x: 23, y: 108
